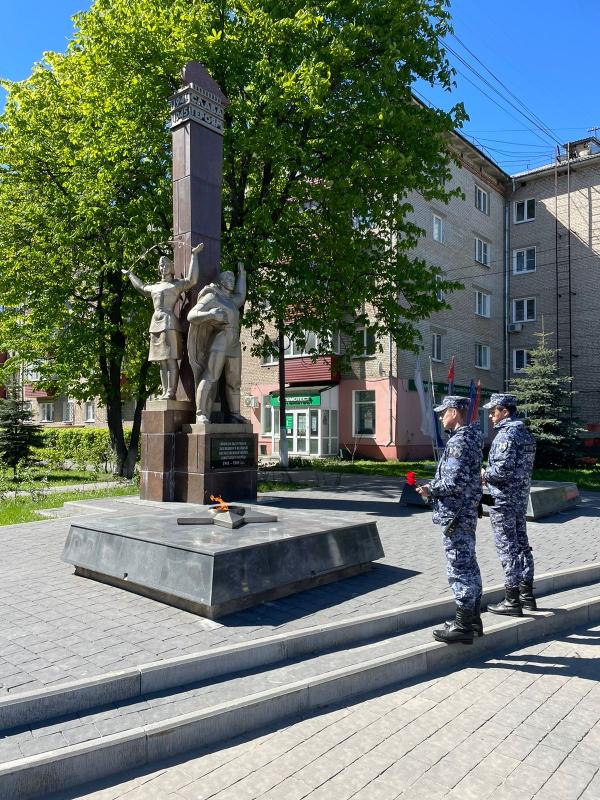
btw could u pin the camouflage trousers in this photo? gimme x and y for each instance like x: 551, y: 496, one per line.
x: 512, y: 544
x: 462, y: 568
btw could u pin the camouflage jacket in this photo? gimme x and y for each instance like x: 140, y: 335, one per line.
x: 456, y: 488
x: 510, y: 462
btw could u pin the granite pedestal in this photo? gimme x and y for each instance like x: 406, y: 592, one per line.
x: 187, y: 462
x: 212, y: 571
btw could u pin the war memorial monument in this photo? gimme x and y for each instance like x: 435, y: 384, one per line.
x: 196, y: 446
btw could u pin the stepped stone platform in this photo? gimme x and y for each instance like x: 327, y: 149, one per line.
x: 212, y: 571
x: 72, y: 733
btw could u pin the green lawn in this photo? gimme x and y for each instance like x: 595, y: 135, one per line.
x: 33, y: 476
x: 585, y: 477
x: 25, y: 508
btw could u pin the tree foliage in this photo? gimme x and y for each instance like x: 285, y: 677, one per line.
x: 545, y: 397
x: 323, y: 144
x: 18, y: 435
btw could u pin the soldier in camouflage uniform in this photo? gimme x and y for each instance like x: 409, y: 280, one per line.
x: 508, y: 478
x: 456, y: 491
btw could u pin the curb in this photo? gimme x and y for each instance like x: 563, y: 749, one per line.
x: 74, y: 696
x: 77, y: 764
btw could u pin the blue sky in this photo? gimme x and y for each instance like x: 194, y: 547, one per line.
x: 544, y: 51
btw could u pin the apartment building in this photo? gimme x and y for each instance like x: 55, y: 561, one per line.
x: 372, y: 408
x: 526, y: 249
x: 554, y: 269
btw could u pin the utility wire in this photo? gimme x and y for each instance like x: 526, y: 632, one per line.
x: 532, y: 115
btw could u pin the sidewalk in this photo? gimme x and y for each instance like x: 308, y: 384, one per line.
x: 55, y: 626
x: 521, y: 725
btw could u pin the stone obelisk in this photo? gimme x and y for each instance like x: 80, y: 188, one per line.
x: 197, y: 114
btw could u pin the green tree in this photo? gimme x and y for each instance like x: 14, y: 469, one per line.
x: 545, y: 397
x: 324, y: 143
x: 18, y: 434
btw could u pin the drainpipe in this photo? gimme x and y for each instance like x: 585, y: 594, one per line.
x: 505, y: 338
x: 390, y: 394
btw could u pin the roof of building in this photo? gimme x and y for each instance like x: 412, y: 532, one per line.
x: 546, y: 168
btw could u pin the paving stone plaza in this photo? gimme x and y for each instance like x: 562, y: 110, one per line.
x: 525, y: 717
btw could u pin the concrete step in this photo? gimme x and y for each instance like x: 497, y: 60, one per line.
x: 146, y: 725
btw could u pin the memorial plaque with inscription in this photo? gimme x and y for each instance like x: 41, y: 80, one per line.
x: 229, y: 452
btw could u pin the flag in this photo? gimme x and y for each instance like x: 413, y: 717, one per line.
x: 477, y: 402
x: 472, y: 393
x: 427, y: 427
x: 451, y: 375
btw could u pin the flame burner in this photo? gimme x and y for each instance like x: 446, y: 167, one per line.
x: 227, y: 515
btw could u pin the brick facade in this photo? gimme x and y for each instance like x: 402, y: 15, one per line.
x: 573, y: 320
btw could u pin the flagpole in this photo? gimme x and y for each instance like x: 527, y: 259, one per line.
x: 436, y: 452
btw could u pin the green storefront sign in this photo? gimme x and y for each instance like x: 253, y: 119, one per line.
x: 292, y: 399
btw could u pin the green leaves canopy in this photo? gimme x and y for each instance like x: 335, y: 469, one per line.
x: 323, y: 144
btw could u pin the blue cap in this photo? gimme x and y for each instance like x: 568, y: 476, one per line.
x: 453, y: 401
x: 503, y: 400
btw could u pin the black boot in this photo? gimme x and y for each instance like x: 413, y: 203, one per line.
x: 477, y: 624
x: 510, y: 606
x: 526, y: 596
x: 459, y: 630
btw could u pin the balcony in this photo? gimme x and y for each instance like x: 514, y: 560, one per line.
x: 29, y: 393
x: 302, y: 370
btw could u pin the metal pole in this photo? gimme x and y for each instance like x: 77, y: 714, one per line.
x: 569, y: 265
x: 283, y: 447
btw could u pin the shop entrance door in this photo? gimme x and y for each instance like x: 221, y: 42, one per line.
x: 296, y: 423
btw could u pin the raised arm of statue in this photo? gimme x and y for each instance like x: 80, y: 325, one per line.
x: 193, y: 275
x: 240, y: 286
x: 137, y: 283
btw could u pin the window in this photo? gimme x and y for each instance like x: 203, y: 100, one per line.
x: 524, y: 309
x: 68, y: 411
x: 524, y: 260
x: 482, y: 252
x: 266, y: 417
x: 363, y: 413
x: 367, y: 341
x: 482, y: 200
x: 482, y: 303
x: 90, y: 411
x: 438, y: 229
x: 524, y: 211
x: 436, y: 346
x: 521, y: 359
x: 46, y: 412
x: 440, y: 292
x: 31, y: 374
x: 312, y: 342
x: 482, y: 356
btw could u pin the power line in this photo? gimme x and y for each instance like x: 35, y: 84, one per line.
x: 530, y: 113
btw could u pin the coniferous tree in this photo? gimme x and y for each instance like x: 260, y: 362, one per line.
x: 545, y: 398
x: 18, y: 434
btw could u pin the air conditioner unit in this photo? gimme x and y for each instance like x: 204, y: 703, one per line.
x: 251, y: 402
x: 514, y: 327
